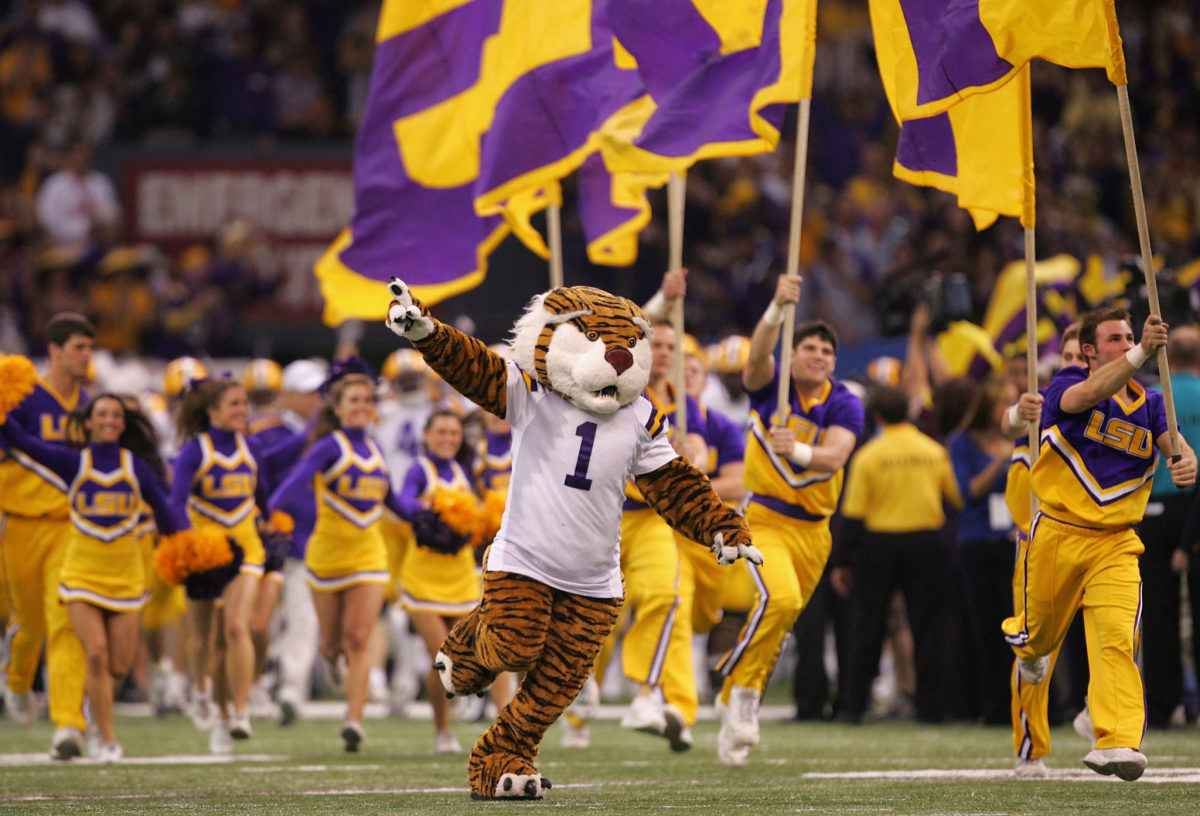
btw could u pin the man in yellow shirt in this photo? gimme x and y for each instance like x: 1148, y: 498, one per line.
x: 895, y: 490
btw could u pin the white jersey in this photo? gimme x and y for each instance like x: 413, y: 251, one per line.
x: 562, y: 523
x: 399, y: 432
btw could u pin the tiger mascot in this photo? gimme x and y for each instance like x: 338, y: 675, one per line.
x: 552, y: 585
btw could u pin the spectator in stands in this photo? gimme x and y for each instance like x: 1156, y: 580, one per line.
x: 78, y: 205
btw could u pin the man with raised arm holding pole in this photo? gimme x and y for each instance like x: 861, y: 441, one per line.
x: 1092, y: 478
x: 793, y: 471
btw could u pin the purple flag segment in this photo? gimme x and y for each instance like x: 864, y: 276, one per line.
x: 954, y: 50
x: 926, y: 146
x: 614, y: 209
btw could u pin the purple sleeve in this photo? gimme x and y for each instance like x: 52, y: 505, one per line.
x: 1156, y: 408
x: 409, y: 501
x: 181, y: 478
x: 697, y: 423
x: 168, y: 519
x: 727, y: 438
x: 291, y: 495
x: 847, y: 411
x: 392, y: 502
x: 283, y: 454
x: 1064, y: 379
x: 262, y: 490
x: 62, y: 460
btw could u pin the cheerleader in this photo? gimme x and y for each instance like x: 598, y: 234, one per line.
x: 217, y: 483
x: 346, y: 556
x: 103, y: 581
x: 439, y: 576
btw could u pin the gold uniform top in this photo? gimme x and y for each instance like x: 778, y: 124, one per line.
x: 898, y: 481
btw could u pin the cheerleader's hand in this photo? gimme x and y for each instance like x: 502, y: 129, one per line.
x: 406, y: 316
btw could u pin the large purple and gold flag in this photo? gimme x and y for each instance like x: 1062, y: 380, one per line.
x: 940, y: 52
x: 414, y: 171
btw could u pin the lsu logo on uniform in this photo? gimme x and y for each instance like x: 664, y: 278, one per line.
x: 228, y: 486
x: 364, y: 488
x: 1120, y: 434
x: 805, y: 431
x: 54, y: 428
x: 107, y: 503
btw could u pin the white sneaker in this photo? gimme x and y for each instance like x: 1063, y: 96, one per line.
x: 352, y: 735
x: 239, y: 726
x: 730, y: 752
x: 646, y: 714
x: 260, y: 704
x: 95, y: 743
x: 446, y: 743
x: 220, y: 741
x: 22, y: 708
x: 586, y: 704
x: 470, y: 708
x: 575, y: 736
x: 289, y: 709
x: 1083, y: 724
x: 741, y: 715
x: 204, y: 713
x: 1031, y: 768
x: 677, y: 731
x: 1127, y: 763
x: 111, y: 752
x: 1034, y: 671
x: 67, y: 743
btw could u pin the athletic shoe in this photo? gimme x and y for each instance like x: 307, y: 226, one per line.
x: 204, y: 713
x: 586, y: 704
x: 22, y: 708
x: 95, y: 743
x: 352, y: 735
x: 289, y: 712
x: 220, y: 741
x: 741, y: 715
x: 646, y: 714
x: 239, y: 726
x: 730, y: 752
x: 1127, y: 763
x: 1031, y: 768
x: 677, y: 731
x: 1034, y: 671
x: 67, y: 743
x: 1083, y: 724
x: 575, y: 736
x: 260, y: 705
x: 111, y: 752
x: 446, y: 743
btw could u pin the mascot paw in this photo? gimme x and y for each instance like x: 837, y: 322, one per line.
x: 519, y: 786
x: 444, y: 668
x: 728, y: 553
x: 404, y: 316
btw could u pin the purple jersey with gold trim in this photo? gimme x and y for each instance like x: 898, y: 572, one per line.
x: 725, y: 438
x: 696, y: 425
x: 776, y: 481
x: 217, y: 477
x: 27, y: 487
x: 1094, y: 468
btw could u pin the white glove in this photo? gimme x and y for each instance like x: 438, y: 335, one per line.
x: 403, y: 316
x: 727, y: 555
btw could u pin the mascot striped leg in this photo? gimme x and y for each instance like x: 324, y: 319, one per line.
x: 554, y: 637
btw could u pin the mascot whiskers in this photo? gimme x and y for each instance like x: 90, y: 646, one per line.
x: 552, y: 584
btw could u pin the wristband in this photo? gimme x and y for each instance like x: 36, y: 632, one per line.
x: 1014, y: 418
x: 802, y: 454
x: 1137, y: 355
x: 656, y: 307
x: 774, y: 315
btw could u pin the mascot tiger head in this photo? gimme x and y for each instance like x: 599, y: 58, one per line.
x: 590, y: 346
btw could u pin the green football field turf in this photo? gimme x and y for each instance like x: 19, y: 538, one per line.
x: 888, y: 767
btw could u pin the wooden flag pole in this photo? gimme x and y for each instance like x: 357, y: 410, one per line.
x: 1031, y: 352
x: 1143, y: 227
x: 793, y: 262
x: 676, y: 195
x: 554, y: 228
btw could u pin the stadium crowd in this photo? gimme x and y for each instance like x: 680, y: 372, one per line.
x: 79, y: 79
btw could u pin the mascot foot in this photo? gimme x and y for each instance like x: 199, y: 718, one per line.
x: 518, y: 786
x: 445, y: 669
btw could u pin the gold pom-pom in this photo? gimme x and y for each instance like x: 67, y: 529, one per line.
x: 191, y: 551
x: 17, y: 378
x: 461, y: 511
x: 493, y: 512
x: 280, y: 523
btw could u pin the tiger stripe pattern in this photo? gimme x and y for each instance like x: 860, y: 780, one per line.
x: 683, y: 495
x: 523, y: 625
x: 596, y: 314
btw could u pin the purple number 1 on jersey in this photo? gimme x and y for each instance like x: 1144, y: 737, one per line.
x: 579, y: 479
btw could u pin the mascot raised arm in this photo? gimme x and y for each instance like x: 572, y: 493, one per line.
x: 552, y: 584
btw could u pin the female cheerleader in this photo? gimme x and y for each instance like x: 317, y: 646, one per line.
x: 103, y: 579
x: 346, y: 556
x: 217, y: 481
x: 439, y: 576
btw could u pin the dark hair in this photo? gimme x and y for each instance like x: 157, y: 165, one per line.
x: 193, y: 413
x: 1092, y: 320
x: 138, y: 437
x: 890, y: 403
x: 951, y: 401
x: 65, y: 325
x: 818, y: 328
x: 983, y: 407
x: 1183, y: 348
x: 1070, y: 333
x: 327, y: 421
